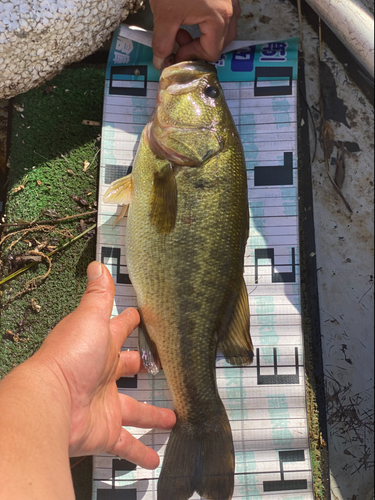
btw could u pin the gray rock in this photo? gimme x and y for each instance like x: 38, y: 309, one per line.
x: 38, y: 38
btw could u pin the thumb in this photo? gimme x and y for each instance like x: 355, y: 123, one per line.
x: 100, y: 291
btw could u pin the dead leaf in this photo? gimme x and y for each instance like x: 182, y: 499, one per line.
x: 333, y: 107
x: 91, y: 122
x: 86, y: 165
x: 39, y: 183
x: 81, y: 201
x: 41, y: 246
x: 49, y: 89
x: 328, y: 139
x: 52, y: 213
x: 22, y: 260
x: 18, y: 108
x: 70, y: 172
x: 265, y: 19
x: 9, y: 335
x: 35, y: 306
x: 322, y: 443
x: 340, y: 168
x: 352, y: 147
x: 18, y: 188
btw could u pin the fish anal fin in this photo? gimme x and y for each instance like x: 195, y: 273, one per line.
x: 147, y: 350
x: 234, y: 339
x: 164, y: 199
x: 120, y: 191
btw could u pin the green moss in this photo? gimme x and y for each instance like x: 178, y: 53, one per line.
x: 49, y: 148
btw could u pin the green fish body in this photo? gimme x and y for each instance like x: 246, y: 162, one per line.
x: 186, y: 234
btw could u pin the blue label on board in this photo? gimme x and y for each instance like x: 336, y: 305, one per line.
x: 243, y: 59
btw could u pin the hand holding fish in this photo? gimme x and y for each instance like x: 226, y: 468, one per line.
x: 91, y: 364
x: 217, y: 20
x: 65, y: 399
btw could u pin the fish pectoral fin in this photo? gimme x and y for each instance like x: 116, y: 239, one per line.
x: 148, y: 350
x: 164, y: 199
x: 120, y: 191
x: 235, y: 341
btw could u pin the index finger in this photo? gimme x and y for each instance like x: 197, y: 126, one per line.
x: 123, y: 325
x: 209, y: 46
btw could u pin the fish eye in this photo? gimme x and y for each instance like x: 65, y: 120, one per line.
x: 212, y: 92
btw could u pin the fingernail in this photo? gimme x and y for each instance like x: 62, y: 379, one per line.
x: 158, y: 62
x: 94, y: 271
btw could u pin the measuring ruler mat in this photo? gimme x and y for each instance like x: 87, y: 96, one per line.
x: 265, y: 402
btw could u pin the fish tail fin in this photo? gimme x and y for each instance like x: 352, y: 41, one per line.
x: 199, y: 458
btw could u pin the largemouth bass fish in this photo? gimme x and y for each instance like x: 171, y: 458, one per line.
x: 186, y: 233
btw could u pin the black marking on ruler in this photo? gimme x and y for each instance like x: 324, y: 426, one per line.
x: 276, y: 379
x: 287, y: 484
x: 119, y: 494
x: 131, y: 71
x: 127, y: 382
x: 121, y: 465
x: 115, y: 253
x: 273, y: 72
x: 114, y: 172
x: 278, y: 175
x: 269, y: 253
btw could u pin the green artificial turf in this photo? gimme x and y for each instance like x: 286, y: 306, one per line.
x: 49, y: 148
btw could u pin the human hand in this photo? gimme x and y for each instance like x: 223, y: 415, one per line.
x: 217, y: 20
x: 83, y: 351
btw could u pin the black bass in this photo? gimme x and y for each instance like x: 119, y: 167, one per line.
x: 187, y: 228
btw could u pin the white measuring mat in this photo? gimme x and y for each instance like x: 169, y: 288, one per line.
x: 265, y: 402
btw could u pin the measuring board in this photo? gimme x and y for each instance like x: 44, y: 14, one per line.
x: 265, y: 402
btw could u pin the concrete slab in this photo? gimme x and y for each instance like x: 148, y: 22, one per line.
x: 344, y: 257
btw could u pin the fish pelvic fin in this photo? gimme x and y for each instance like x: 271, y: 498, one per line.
x: 148, y: 350
x: 235, y: 342
x: 199, y: 458
x: 120, y: 192
x: 164, y: 199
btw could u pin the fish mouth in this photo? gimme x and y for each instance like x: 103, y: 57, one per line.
x: 183, y: 77
x: 184, y: 73
x: 176, y: 80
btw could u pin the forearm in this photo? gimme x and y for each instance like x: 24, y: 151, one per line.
x: 34, y: 435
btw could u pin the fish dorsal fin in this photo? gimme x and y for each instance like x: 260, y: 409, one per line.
x: 164, y: 199
x: 235, y: 341
x: 148, y: 350
x: 120, y: 191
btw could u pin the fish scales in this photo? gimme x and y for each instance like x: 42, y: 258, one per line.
x: 186, y: 234
x: 183, y: 276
